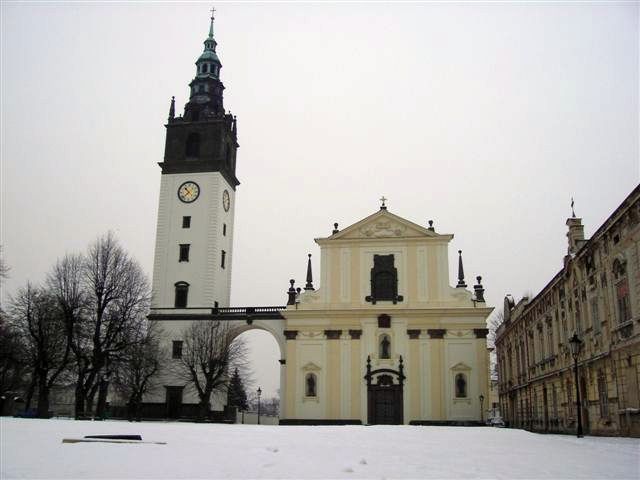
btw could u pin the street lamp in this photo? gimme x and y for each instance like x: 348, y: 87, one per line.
x: 259, y: 393
x: 481, y: 397
x: 576, y: 344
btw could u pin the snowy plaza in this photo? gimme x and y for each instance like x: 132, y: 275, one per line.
x: 34, y: 449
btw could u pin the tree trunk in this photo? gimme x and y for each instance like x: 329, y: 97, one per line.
x: 101, y: 408
x: 204, y: 410
x: 43, y: 397
x: 91, y: 395
x: 32, y: 388
x: 79, y: 401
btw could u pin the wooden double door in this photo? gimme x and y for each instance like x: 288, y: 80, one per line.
x: 385, y: 405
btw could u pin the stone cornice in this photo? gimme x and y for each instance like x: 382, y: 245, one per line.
x: 394, y: 312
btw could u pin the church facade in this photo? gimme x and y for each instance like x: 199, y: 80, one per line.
x: 385, y: 339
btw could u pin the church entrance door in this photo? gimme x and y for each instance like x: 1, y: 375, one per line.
x: 384, y: 395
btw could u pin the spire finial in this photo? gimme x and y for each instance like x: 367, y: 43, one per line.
x: 461, y: 283
x: 172, y: 109
x: 383, y: 200
x: 573, y: 212
x: 213, y: 11
x: 479, y: 289
x: 309, y: 285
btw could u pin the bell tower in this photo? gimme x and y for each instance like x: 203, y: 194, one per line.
x: 194, y: 237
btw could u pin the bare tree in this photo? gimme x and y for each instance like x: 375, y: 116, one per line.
x: 208, y: 352
x: 35, y: 315
x: 139, y: 365
x: 13, y: 362
x: 65, y: 282
x: 117, y: 302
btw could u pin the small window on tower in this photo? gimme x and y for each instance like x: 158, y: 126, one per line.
x: 184, y: 252
x: 224, y: 229
x: 186, y: 222
x: 182, y: 292
x: 224, y: 254
x: 205, y: 67
x: 177, y: 349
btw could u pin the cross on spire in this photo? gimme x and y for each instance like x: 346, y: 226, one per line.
x: 383, y: 200
x: 213, y: 11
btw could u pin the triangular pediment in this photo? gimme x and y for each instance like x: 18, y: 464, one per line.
x: 383, y: 224
x: 461, y: 366
x: 311, y: 367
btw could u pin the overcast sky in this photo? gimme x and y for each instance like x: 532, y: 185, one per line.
x: 486, y: 118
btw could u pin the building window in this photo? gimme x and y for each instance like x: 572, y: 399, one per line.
x: 222, y: 258
x: 311, y: 385
x: 461, y: 385
x: 554, y: 401
x: 186, y: 222
x: 578, y: 319
x: 182, y: 292
x: 550, y: 335
x: 193, y: 142
x: 224, y: 229
x: 385, y: 347
x: 184, y: 252
x: 176, y: 351
x: 384, y: 280
x: 622, y: 290
x: 603, y: 395
x: 595, y: 315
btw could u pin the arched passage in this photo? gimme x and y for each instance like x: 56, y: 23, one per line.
x: 265, y: 345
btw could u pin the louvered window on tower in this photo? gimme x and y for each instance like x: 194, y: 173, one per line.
x: 184, y: 252
x: 193, y: 144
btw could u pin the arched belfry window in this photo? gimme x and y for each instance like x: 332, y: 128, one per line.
x: 182, y: 292
x: 193, y: 145
x: 311, y: 385
x: 461, y: 385
x: 384, y: 348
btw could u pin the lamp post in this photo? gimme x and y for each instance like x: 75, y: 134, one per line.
x: 259, y: 393
x: 576, y: 344
x: 481, y: 397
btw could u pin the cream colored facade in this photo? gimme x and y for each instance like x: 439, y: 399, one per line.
x: 437, y: 332
x: 596, y: 295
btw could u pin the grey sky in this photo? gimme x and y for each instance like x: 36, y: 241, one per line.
x: 486, y: 118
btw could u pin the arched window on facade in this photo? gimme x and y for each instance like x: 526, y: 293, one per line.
x: 193, y: 145
x: 461, y: 385
x: 182, y: 292
x: 385, y: 346
x: 311, y: 385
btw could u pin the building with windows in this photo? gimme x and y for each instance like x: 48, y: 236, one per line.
x: 597, y: 296
x: 385, y: 339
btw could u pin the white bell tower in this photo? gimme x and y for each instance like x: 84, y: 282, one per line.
x: 194, y: 238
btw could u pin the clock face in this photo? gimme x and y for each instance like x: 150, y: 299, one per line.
x: 188, y: 192
x: 226, y: 201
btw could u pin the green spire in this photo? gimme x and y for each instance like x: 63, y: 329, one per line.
x: 213, y: 10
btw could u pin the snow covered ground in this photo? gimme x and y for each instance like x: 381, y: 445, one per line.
x: 33, y: 449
